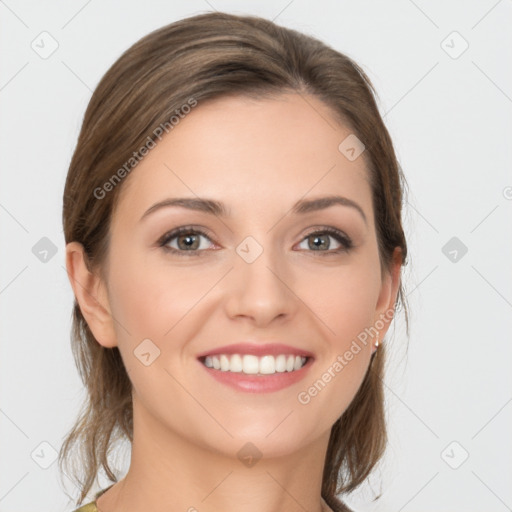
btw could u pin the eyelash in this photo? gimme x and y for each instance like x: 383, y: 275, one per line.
x: 345, y: 241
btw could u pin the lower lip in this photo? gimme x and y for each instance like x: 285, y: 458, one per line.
x: 259, y: 384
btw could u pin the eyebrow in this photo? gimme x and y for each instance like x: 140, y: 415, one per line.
x: 219, y: 209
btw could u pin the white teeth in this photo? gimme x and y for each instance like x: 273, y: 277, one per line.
x: 268, y: 365
x: 280, y: 363
x: 224, y: 363
x: 236, y: 365
x: 252, y: 365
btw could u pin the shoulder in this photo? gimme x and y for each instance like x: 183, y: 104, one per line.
x: 90, y: 507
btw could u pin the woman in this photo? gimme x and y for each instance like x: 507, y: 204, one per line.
x: 232, y: 215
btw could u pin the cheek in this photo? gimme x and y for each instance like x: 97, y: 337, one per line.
x: 149, y: 298
x: 346, y: 310
x: 345, y: 299
x: 160, y: 303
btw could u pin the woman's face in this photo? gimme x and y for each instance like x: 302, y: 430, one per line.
x: 264, y: 271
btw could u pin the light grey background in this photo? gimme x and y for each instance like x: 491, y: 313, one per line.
x: 450, y: 118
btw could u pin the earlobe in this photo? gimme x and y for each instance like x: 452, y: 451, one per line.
x: 90, y: 293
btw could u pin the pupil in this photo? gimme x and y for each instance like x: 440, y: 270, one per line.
x: 190, y: 243
x: 318, y: 242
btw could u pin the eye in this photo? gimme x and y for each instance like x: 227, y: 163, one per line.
x: 183, y: 240
x: 187, y: 241
x: 319, y: 241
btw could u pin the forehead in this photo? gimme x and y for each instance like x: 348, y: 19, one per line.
x: 248, y: 151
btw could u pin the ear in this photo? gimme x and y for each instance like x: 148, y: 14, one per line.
x: 91, y: 294
x: 385, y: 309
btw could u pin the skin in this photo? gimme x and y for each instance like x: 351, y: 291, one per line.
x: 258, y: 157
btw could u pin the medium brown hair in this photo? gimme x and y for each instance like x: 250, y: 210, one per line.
x: 205, y: 57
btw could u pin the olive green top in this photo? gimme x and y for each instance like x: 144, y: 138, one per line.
x: 91, y: 507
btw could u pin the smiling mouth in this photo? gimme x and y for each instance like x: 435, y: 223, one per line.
x: 253, y: 365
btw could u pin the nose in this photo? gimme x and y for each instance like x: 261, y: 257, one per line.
x: 260, y: 291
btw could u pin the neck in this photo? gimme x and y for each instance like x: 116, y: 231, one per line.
x: 167, y: 472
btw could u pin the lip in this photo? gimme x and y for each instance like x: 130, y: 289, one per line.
x: 258, y: 384
x: 257, y: 349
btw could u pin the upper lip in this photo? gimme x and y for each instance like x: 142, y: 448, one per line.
x: 257, y: 349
